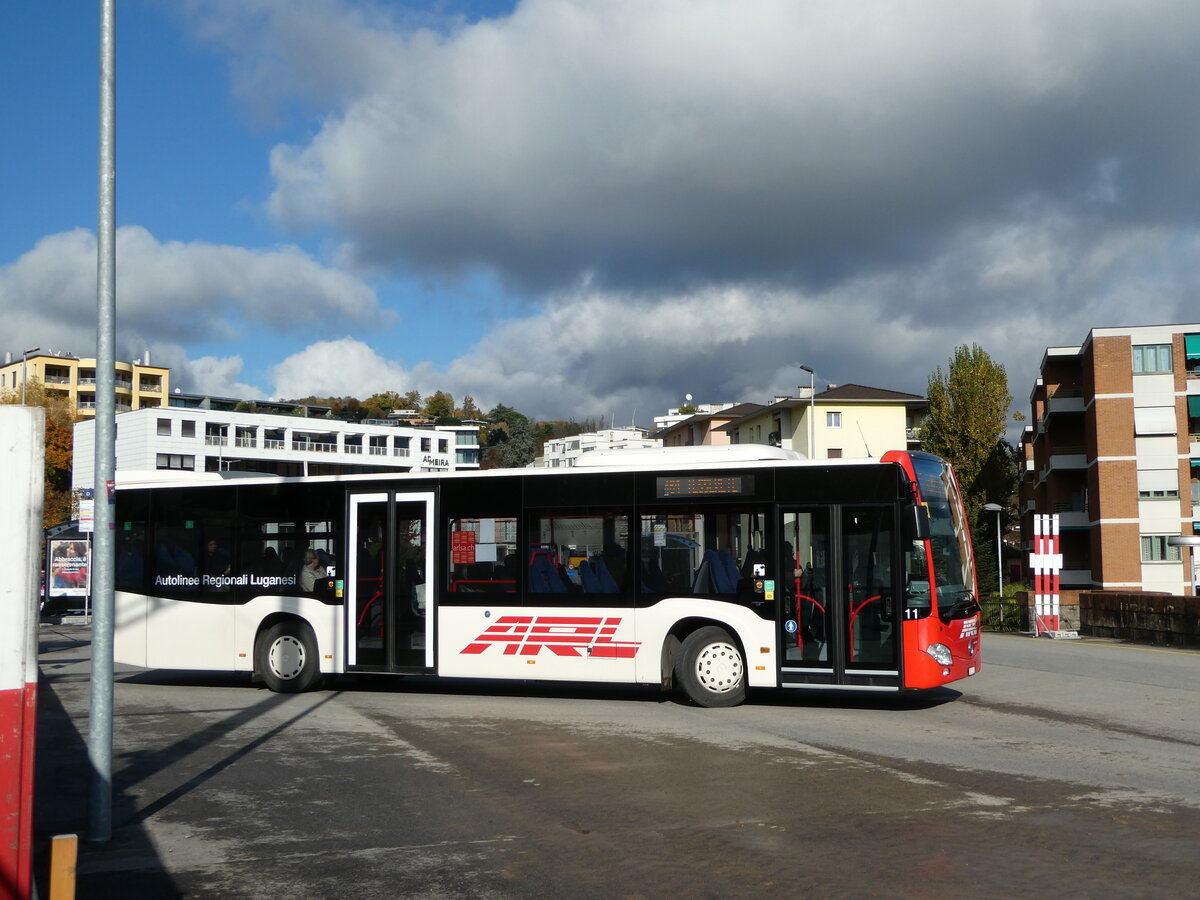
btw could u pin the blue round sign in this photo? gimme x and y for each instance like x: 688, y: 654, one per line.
x: 790, y: 626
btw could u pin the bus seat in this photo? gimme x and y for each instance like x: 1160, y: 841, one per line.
x: 543, y: 578
x: 725, y: 574
x: 607, y: 584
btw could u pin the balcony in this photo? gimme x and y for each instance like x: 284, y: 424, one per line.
x: 378, y: 451
x: 214, y: 440
x: 1071, y: 515
x: 57, y: 379
x: 1065, y: 400
x: 246, y: 441
x: 400, y: 451
x: 149, y: 387
x: 314, y: 446
x: 273, y: 444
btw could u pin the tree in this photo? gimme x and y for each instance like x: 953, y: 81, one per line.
x: 519, y: 450
x: 439, y: 405
x: 57, y: 503
x: 968, y: 414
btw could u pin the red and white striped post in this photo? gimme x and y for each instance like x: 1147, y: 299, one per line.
x: 22, y: 450
x: 1046, y: 562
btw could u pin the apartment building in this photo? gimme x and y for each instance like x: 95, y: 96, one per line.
x: 849, y: 420
x: 139, y: 385
x: 1113, y: 448
x: 565, y: 452
x: 704, y: 429
x: 195, y: 439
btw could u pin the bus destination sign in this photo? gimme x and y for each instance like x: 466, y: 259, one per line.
x: 705, y: 486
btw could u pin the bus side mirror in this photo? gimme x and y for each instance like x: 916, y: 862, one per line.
x: 918, y: 522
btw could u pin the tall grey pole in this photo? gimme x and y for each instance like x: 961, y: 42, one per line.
x: 812, y: 412
x: 101, y: 710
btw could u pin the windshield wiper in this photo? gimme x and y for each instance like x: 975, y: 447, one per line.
x: 964, y: 607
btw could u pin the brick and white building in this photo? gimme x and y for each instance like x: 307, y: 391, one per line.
x: 1113, y: 448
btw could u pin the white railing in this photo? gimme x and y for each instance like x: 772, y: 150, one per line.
x: 378, y: 451
x: 214, y: 440
x: 243, y: 441
x: 314, y: 446
x: 400, y: 451
x: 354, y: 448
x: 273, y: 444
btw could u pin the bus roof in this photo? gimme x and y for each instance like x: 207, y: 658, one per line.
x: 665, y: 459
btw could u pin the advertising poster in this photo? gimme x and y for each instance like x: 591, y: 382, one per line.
x: 70, y: 568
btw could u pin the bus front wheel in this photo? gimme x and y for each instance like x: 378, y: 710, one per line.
x: 288, y: 658
x: 710, y: 668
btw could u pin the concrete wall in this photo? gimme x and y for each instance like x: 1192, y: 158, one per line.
x: 1144, y: 618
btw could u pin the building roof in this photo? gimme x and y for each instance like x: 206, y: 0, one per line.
x: 725, y: 415
x: 844, y: 393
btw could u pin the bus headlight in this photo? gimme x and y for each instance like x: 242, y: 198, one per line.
x: 940, y: 653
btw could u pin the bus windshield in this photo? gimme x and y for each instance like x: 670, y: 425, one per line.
x: 953, y: 566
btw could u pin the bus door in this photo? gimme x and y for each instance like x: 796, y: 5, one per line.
x: 839, y: 623
x: 390, y: 603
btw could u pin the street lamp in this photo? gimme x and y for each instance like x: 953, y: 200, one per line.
x: 1192, y: 541
x: 24, y: 357
x: 812, y: 411
x: 997, y: 509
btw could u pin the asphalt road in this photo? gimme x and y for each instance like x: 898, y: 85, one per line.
x: 1061, y: 770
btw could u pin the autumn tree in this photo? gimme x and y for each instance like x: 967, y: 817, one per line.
x: 57, y: 503
x: 968, y: 414
x: 439, y: 405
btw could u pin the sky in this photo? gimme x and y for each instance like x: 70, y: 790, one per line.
x: 592, y: 210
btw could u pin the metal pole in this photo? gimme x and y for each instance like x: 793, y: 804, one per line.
x: 101, y: 712
x: 999, y: 557
x: 812, y: 412
x: 24, y: 359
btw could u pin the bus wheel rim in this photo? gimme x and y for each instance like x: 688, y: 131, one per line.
x: 287, y: 657
x: 719, y: 667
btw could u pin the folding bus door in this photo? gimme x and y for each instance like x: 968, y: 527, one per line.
x: 838, y: 623
x: 390, y: 604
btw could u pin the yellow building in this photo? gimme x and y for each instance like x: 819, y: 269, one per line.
x: 139, y: 385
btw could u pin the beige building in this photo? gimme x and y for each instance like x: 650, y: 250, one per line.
x: 139, y: 385
x: 1113, y: 449
x: 850, y: 420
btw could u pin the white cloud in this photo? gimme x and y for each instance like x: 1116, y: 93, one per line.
x: 339, y: 368
x: 171, y: 293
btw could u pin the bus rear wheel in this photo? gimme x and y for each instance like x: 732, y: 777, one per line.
x: 710, y: 668
x: 287, y: 658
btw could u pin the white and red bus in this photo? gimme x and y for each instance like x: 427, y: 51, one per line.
x: 711, y: 571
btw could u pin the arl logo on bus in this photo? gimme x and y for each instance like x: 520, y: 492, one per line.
x: 578, y: 636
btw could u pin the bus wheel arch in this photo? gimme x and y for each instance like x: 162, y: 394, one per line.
x: 286, y: 655
x: 707, y: 662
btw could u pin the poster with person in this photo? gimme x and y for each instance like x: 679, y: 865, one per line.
x: 70, y: 568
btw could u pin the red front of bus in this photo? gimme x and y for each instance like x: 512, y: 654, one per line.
x: 942, y: 621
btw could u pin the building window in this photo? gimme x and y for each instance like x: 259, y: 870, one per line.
x: 178, y: 461
x: 834, y: 453
x: 1158, y: 495
x: 1156, y: 549
x: 187, y: 428
x: 833, y: 420
x: 164, y: 427
x: 1151, y: 359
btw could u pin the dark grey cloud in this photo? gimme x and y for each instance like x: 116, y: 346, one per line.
x: 666, y: 143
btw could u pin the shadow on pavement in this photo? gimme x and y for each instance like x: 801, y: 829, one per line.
x: 62, y: 785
